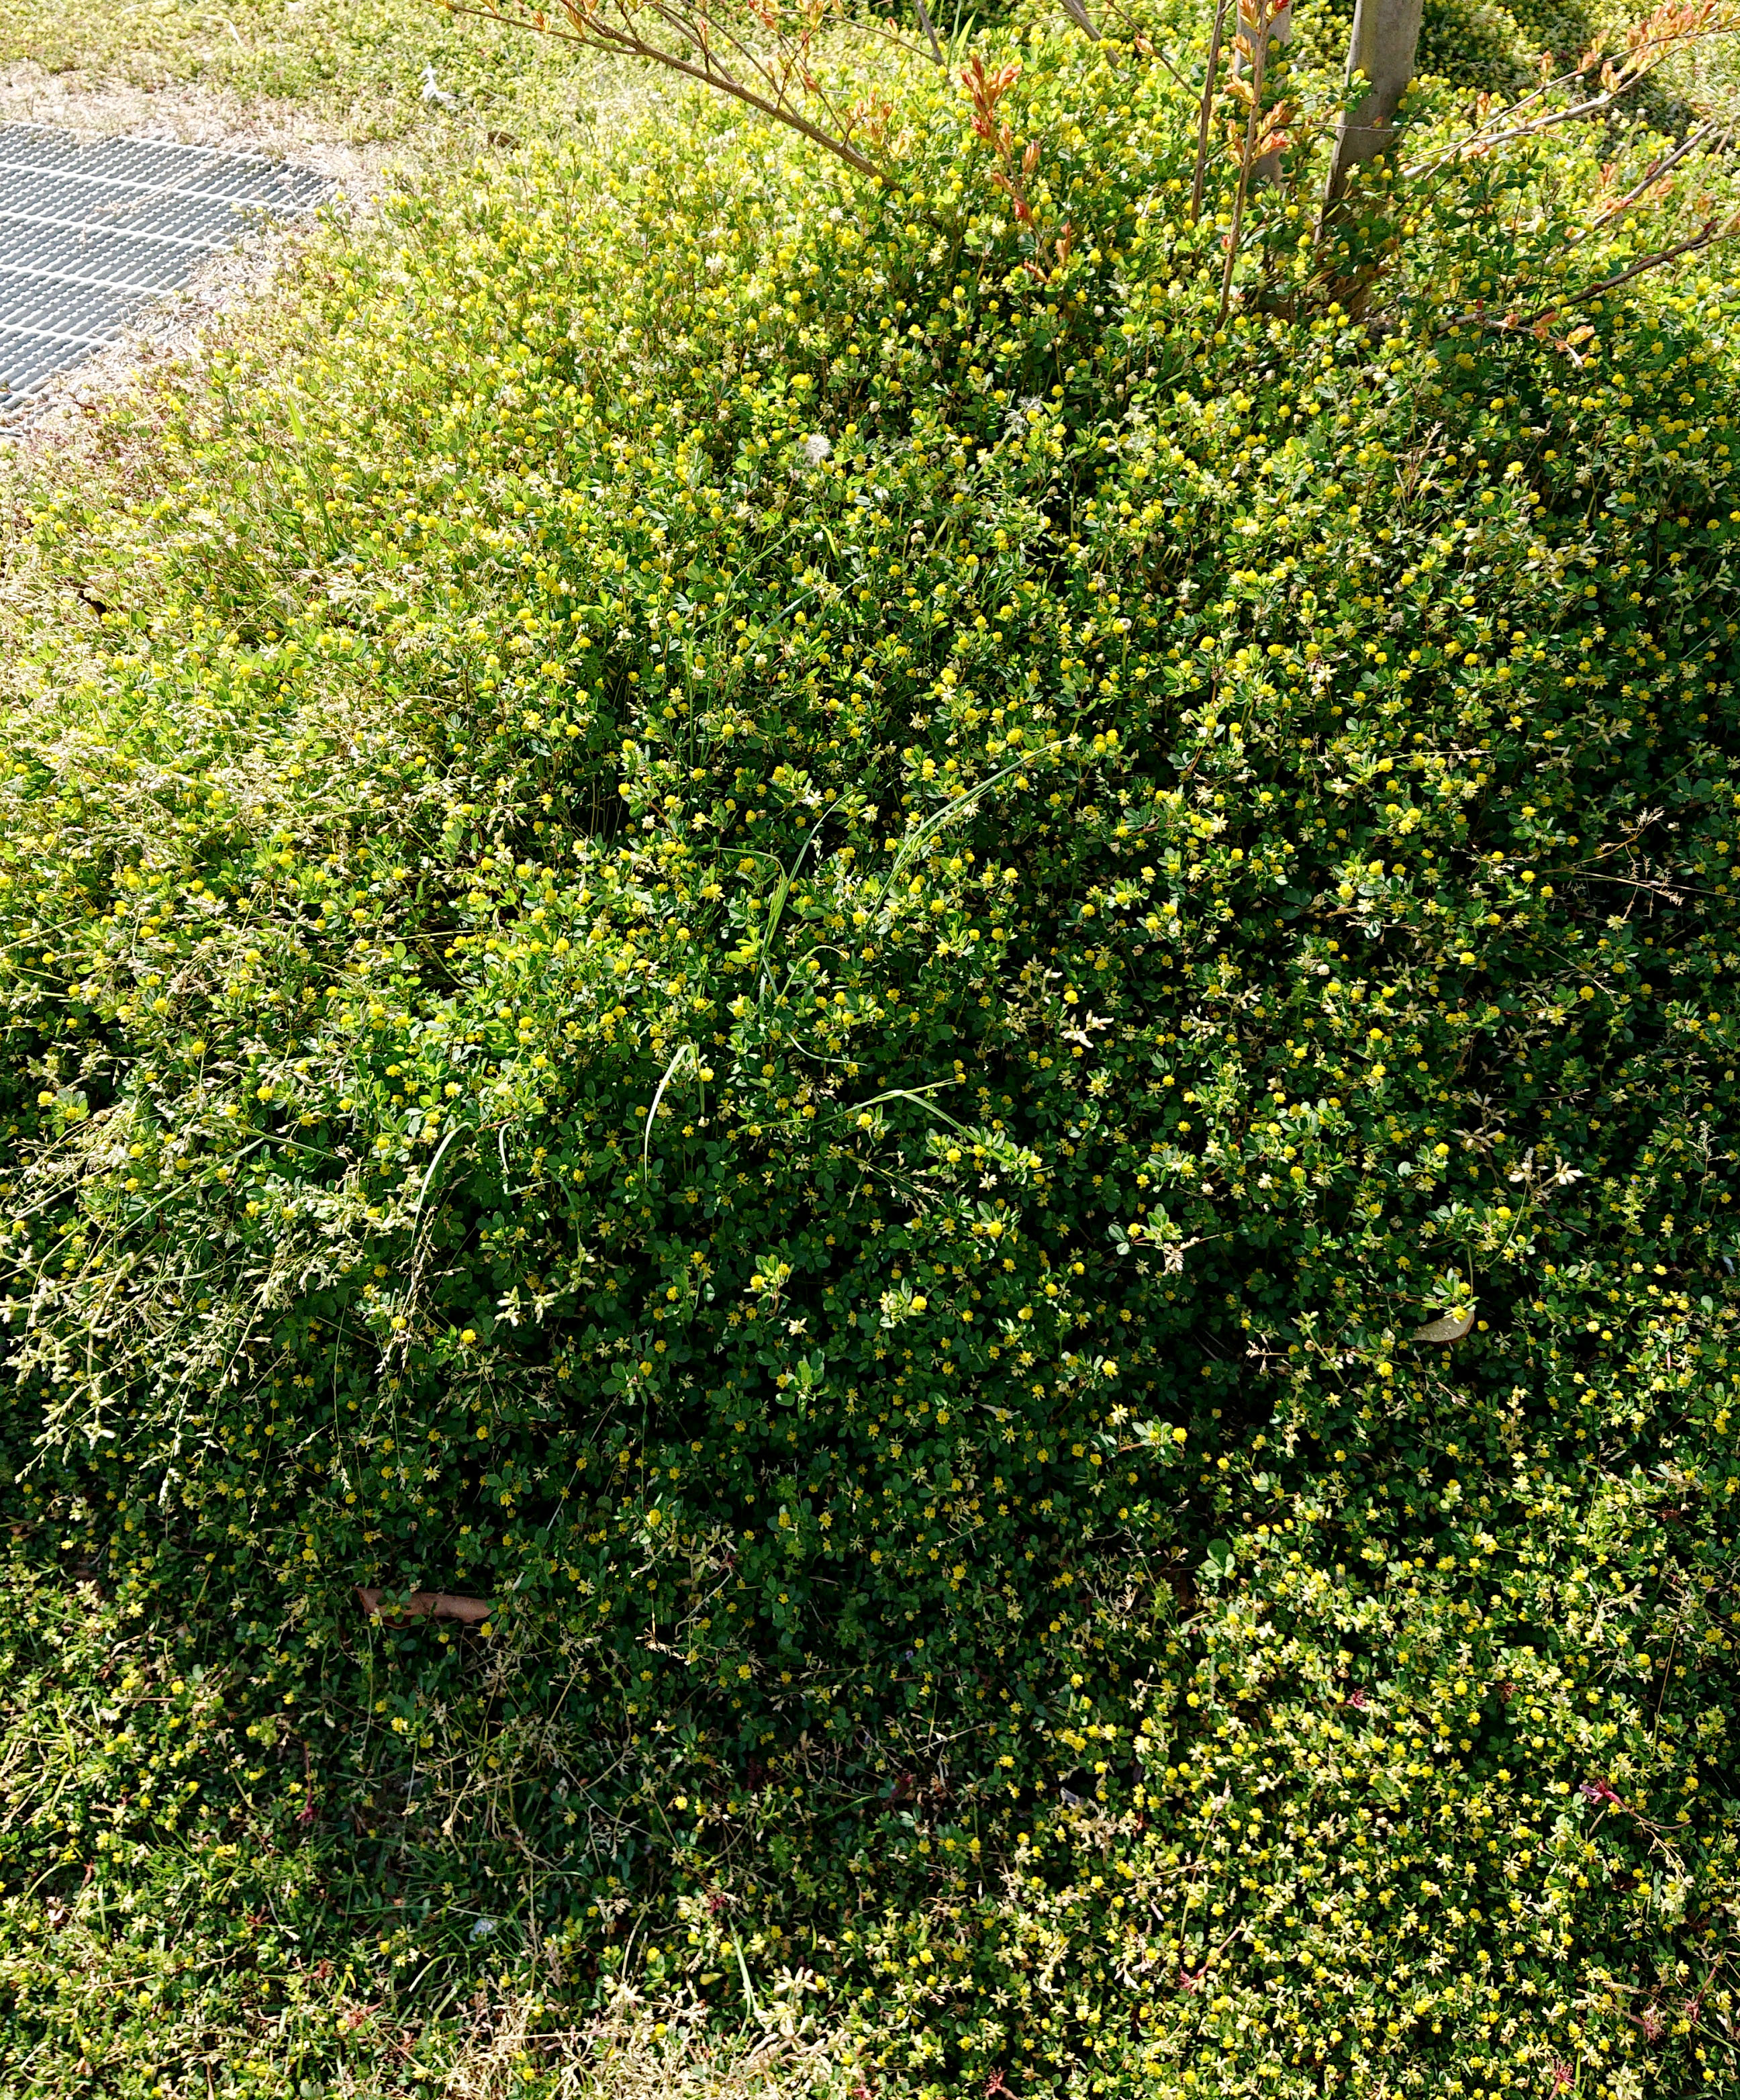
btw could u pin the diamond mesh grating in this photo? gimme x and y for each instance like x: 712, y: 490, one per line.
x: 89, y: 233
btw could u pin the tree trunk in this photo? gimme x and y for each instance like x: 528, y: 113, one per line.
x: 1383, y: 46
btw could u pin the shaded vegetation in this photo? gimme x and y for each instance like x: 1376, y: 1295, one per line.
x: 806, y: 951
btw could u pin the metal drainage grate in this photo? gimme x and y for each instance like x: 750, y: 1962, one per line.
x: 90, y: 233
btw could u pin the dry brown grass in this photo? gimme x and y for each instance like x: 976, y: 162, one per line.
x: 633, y: 2053
x: 174, y: 329
x: 108, y: 91
x: 186, y: 113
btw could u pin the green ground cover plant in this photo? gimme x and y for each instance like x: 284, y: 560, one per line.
x: 360, y: 70
x: 800, y: 927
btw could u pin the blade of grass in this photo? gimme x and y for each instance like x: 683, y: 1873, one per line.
x: 686, y: 1050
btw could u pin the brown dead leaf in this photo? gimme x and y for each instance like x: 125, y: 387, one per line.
x: 1449, y: 1329
x: 427, y: 1604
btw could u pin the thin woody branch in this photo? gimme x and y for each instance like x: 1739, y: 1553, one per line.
x: 1256, y: 41
x: 1667, y: 31
x: 1515, y: 324
x: 1205, y: 112
x: 1662, y: 169
x: 591, y: 29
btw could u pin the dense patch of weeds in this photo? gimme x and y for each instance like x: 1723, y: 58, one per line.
x: 806, y: 951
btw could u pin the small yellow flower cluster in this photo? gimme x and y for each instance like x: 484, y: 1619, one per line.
x: 979, y: 1037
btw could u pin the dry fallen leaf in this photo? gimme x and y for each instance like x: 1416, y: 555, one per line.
x: 1449, y: 1329
x: 427, y: 1604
